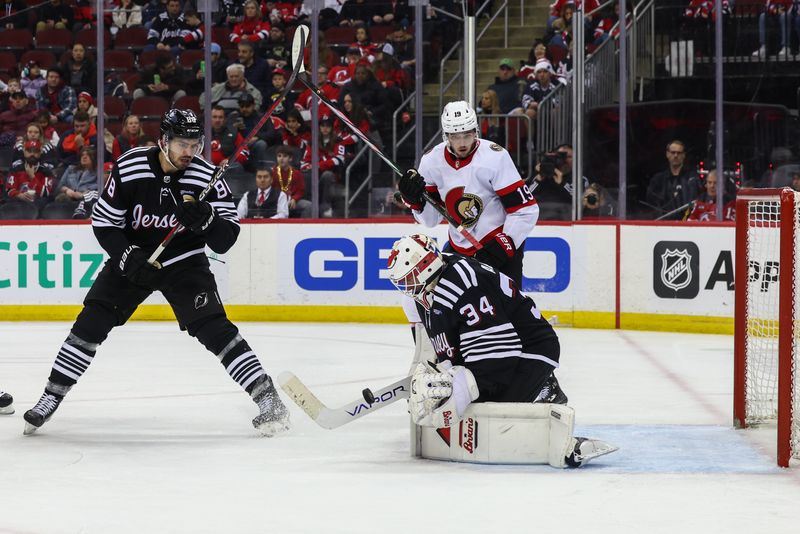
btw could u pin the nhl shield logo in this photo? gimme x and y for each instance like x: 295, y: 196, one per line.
x: 676, y: 269
x: 676, y: 273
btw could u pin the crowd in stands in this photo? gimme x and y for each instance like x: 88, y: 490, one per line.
x: 154, y: 60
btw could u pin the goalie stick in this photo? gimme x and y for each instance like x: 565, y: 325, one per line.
x: 331, y: 418
x: 438, y: 206
x: 298, y: 47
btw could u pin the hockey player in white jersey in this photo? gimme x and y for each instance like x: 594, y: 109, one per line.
x: 491, y: 344
x: 480, y: 187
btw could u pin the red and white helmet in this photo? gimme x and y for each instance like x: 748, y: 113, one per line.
x: 414, y: 266
x: 458, y: 117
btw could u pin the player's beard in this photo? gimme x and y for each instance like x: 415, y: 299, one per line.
x: 179, y: 162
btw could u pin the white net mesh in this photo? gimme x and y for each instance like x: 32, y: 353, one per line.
x: 762, y: 307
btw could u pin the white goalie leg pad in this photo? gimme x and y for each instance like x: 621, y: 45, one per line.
x: 503, y: 433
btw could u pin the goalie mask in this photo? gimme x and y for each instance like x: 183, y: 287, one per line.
x: 414, y: 267
x: 458, y: 117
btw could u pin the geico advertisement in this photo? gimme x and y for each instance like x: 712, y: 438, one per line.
x: 53, y: 264
x: 346, y: 264
x: 674, y: 270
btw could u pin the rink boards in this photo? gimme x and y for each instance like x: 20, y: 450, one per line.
x: 666, y: 276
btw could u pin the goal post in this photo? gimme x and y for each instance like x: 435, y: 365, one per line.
x: 766, y: 310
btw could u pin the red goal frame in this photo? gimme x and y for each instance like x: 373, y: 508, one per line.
x: 786, y: 323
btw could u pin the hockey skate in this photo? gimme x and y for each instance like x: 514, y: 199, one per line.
x: 45, y: 408
x: 584, y: 450
x: 551, y: 392
x: 274, y: 417
x: 6, y: 403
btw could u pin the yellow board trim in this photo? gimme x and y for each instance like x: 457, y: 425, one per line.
x: 383, y: 314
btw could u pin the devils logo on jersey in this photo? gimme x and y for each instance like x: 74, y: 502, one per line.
x: 465, y: 207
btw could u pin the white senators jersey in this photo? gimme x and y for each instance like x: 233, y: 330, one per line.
x: 483, y: 192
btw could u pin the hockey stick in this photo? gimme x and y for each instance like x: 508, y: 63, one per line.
x: 298, y: 47
x: 331, y: 418
x: 438, y: 206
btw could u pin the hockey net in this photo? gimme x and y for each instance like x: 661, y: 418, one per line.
x: 766, y: 318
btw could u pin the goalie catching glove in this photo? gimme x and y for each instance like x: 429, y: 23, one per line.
x: 439, y: 397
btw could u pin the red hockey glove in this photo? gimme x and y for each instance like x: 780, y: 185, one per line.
x: 498, y: 251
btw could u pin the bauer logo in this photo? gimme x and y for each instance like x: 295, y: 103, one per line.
x: 676, y: 267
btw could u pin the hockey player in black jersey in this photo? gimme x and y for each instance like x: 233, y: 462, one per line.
x: 491, y: 342
x: 150, y: 191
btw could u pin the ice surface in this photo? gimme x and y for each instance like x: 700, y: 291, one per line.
x: 157, y: 439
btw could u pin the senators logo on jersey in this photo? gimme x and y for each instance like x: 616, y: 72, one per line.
x: 465, y: 207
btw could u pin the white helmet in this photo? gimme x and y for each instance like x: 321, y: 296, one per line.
x: 458, y: 117
x: 414, y: 265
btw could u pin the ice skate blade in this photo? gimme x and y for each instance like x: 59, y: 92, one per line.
x: 601, y: 448
x: 7, y: 410
x: 29, y: 429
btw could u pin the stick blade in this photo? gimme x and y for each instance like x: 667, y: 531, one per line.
x: 299, y: 41
x: 300, y: 394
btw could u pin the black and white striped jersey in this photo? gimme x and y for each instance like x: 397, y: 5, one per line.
x: 478, y: 316
x: 137, y: 206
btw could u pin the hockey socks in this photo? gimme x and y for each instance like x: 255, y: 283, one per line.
x: 46, y: 407
x: 241, y: 363
x: 73, y: 359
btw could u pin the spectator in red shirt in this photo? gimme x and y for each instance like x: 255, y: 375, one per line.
x: 83, y: 133
x: 357, y: 115
x: 294, y: 134
x: 292, y: 182
x: 224, y: 139
x: 705, y: 205
x: 392, y: 77
x: 364, y: 43
x: 31, y: 180
x: 251, y: 28
x: 34, y: 132
x: 284, y: 12
x: 329, y: 87
x: 331, y: 157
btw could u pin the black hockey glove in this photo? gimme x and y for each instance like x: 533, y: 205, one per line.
x: 133, y: 265
x: 196, y: 216
x: 498, y: 251
x: 411, y: 187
